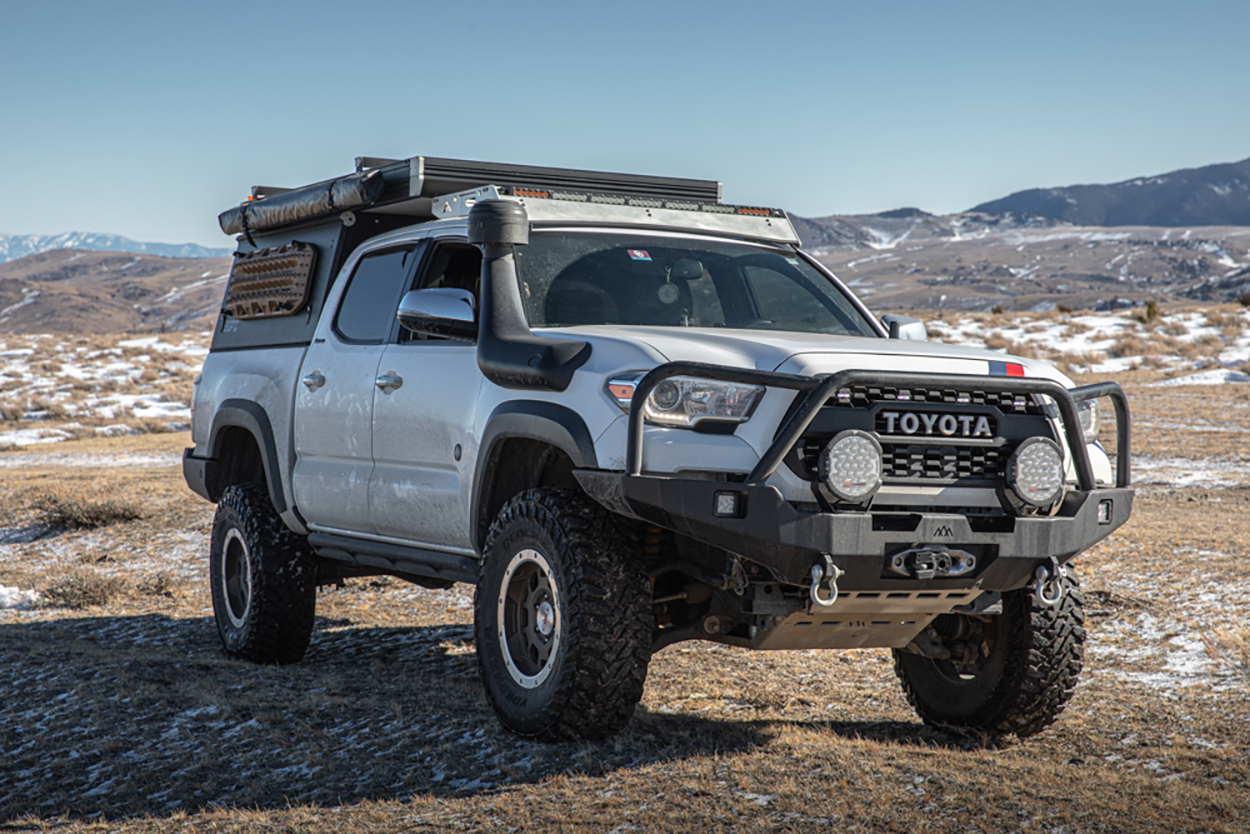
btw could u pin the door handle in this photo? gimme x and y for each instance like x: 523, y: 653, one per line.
x: 314, y: 380
x: 389, y: 381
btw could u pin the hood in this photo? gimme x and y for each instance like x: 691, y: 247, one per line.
x: 809, y: 354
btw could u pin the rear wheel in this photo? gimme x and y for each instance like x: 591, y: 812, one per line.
x: 1009, y: 673
x: 562, y: 617
x: 262, y: 578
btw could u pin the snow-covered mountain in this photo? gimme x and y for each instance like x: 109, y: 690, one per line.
x: 13, y: 247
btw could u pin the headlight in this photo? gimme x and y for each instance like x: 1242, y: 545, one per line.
x: 851, y: 466
x: 685, y: 401
x: 1088, y: 412
x: 1035, y: 471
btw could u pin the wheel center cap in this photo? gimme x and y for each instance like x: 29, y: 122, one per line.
x: 545, y: 618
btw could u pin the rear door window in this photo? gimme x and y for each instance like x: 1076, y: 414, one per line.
x: 366, y: 315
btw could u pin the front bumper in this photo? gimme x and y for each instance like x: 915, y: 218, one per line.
x: 771, y: 531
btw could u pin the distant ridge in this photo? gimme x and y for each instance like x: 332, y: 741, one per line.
x: 1214, y: 195
x: 13, y: 247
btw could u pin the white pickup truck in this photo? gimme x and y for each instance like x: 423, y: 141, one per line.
x: 632, y: 415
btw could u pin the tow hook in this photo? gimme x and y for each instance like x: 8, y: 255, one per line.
x: 1049, y: 588
x: 825, y: 572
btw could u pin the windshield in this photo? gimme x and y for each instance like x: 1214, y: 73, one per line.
x: 577, y: 278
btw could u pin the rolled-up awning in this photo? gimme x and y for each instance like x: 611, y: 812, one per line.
x: 301, y: 204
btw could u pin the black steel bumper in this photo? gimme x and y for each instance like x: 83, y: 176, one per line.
x: 773, y: 533
x: 769, y: 530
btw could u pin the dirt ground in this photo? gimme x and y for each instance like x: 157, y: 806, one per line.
x: 123, y: 714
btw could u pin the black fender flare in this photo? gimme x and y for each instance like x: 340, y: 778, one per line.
x: 547, y: 422
x: 248, y: 415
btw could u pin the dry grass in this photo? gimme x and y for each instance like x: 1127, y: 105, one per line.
x: 83, y: 587
x: 1148, y: 345
x: 69, y: 509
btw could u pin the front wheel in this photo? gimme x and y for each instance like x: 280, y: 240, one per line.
x: 1009, y: 673
x: 262, y: 578
x: 562, y: 618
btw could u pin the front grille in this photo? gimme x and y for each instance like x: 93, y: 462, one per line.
x: 863, y: 396
x: 940, y: 462
x: 954, y: 437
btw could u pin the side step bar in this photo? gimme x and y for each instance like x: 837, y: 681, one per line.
x: 395, y: 558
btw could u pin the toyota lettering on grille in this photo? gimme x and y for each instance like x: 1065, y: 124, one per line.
x: 946, y: 425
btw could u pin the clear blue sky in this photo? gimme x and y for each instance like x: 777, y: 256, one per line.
x: 147, y: 119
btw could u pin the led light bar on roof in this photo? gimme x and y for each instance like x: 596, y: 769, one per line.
x: 645, y: 202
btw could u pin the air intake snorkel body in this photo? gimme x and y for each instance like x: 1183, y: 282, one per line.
x: 508, y: 353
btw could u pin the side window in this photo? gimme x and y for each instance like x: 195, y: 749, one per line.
x: 367, y: 311
x: 452, y: 265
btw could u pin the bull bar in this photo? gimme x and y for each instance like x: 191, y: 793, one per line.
x: 774, y: 533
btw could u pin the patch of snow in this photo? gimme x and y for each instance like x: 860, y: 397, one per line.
x: 28, y: 297
x: 117, y: 430
x: 29, y: 437
x: 155, y: 343
x: 1209, y: 473
x: 1217, y: 377
x: 17, y: 599
x: 24, y: 460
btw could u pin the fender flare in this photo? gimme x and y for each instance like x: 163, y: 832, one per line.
x: 547, y: 422
x: 248, y: 415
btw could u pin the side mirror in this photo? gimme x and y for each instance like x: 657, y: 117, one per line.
x: 439, y: 313
x: 905, y: 327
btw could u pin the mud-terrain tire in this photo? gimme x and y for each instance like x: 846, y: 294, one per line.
x: 263, y: 579
x: 1035, y: 657
x: 563, y: 618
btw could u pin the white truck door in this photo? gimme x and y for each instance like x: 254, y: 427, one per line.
x: 423, y: 442
x: 334, y: 398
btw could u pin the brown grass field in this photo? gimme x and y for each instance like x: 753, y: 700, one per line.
x: 118, y: 710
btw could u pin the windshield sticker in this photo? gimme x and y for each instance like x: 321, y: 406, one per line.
x: 639, y: 254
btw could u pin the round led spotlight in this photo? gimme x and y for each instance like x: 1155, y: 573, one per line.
x: 851, y: 466
x: 1035, y: 471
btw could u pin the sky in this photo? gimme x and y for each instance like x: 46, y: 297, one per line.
x: 148, y: 119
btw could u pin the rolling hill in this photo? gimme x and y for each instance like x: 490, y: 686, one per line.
x: 76, y: 291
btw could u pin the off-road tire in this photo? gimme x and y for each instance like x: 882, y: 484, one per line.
x: 1035, y: 659
x: 590, y: 683
x: 266, y: 613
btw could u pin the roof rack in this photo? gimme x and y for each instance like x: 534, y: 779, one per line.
x: 407, y: 186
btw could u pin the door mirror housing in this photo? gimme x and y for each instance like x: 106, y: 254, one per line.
x: 439, y: 313
x: 905, y: 327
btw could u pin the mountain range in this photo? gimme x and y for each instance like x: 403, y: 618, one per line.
x: 13, y: 247
x: 1214, y: 195
x: 1178, y: 237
